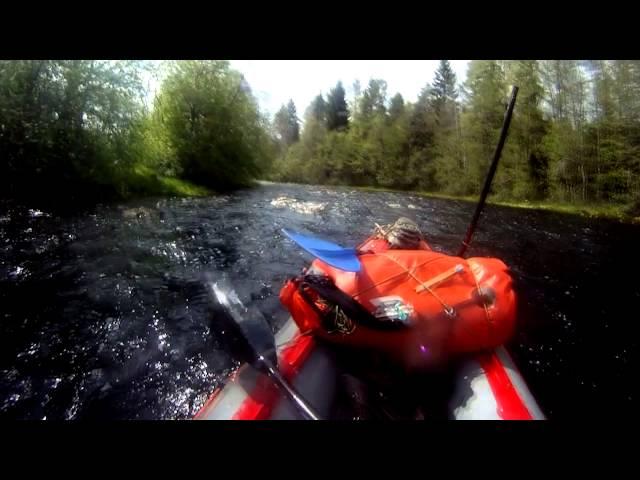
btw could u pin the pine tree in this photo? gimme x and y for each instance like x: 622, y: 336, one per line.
x: 294, y: 123
x: 528, y: 128
x: 486, y: 91
x: 337, y: 111
x: 613, y: 132
x: 421, y: 140
x: 444, y: 94
x: 396, y: 107
x: 318, y: 109
x: 287, y: 125
x: 373, y: 99
x: 357, y: 95
x: 566, y: 147
x: 421, y: 124
x: 281, y: 124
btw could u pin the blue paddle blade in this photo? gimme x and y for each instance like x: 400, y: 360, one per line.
x: 330, y: 253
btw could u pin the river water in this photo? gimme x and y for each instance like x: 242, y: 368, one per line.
x: 103, y: 313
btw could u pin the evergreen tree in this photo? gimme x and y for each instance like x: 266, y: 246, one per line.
x: 483, y: 119
x: 337, y: 111
x: 396, y: 107
x: 287, y: 124
x: 294, y: 123
x: 373, y: 100
x: 444, y: 94
x: 530, y: 176
x: 318, y: 109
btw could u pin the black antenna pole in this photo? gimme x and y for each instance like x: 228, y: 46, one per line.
x: 492, y: 172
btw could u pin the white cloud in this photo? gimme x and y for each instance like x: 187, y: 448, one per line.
x: 274, y: 82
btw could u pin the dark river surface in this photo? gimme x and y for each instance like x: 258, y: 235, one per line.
x: 103, y: 314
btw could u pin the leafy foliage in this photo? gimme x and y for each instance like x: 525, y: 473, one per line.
x: 81, y: 128
x: 574, y: 137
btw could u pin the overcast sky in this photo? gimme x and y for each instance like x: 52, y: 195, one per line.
x: 274, y: 82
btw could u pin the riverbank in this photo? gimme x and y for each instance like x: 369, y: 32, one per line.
x: 143, y: 181
x: 70, y: 194
x: 610, y: 211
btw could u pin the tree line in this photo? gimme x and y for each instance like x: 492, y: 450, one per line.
x: 83, y: 128
x: 574, y: 136
x: 86, y: 128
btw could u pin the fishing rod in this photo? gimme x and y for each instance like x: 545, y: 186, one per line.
x: 492, y: 171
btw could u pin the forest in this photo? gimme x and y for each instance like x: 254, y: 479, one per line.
x: 90, y: 129
x: 573, y: 140
x: 87, y: 130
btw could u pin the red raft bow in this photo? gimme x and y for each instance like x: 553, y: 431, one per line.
x: 415, y: 305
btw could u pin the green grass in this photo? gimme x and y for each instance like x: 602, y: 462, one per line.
x: 183, y: 188
x: 606, y: 210
x: 593, y: 210
x: 144, y: 181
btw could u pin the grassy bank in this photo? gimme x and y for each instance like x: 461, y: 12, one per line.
x: 611, y: 211
x: 143, y: 181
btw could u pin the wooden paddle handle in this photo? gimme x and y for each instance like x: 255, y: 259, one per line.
x: 439, y: 278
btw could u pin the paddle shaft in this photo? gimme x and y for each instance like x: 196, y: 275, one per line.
x: 304, y: 408
x: 253, y: 329
x: 492, y: 171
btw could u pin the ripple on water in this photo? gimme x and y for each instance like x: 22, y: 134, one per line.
x: 298, y: 206
x: 117, y: 327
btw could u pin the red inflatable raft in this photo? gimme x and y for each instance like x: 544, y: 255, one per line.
x: 487, y: 385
